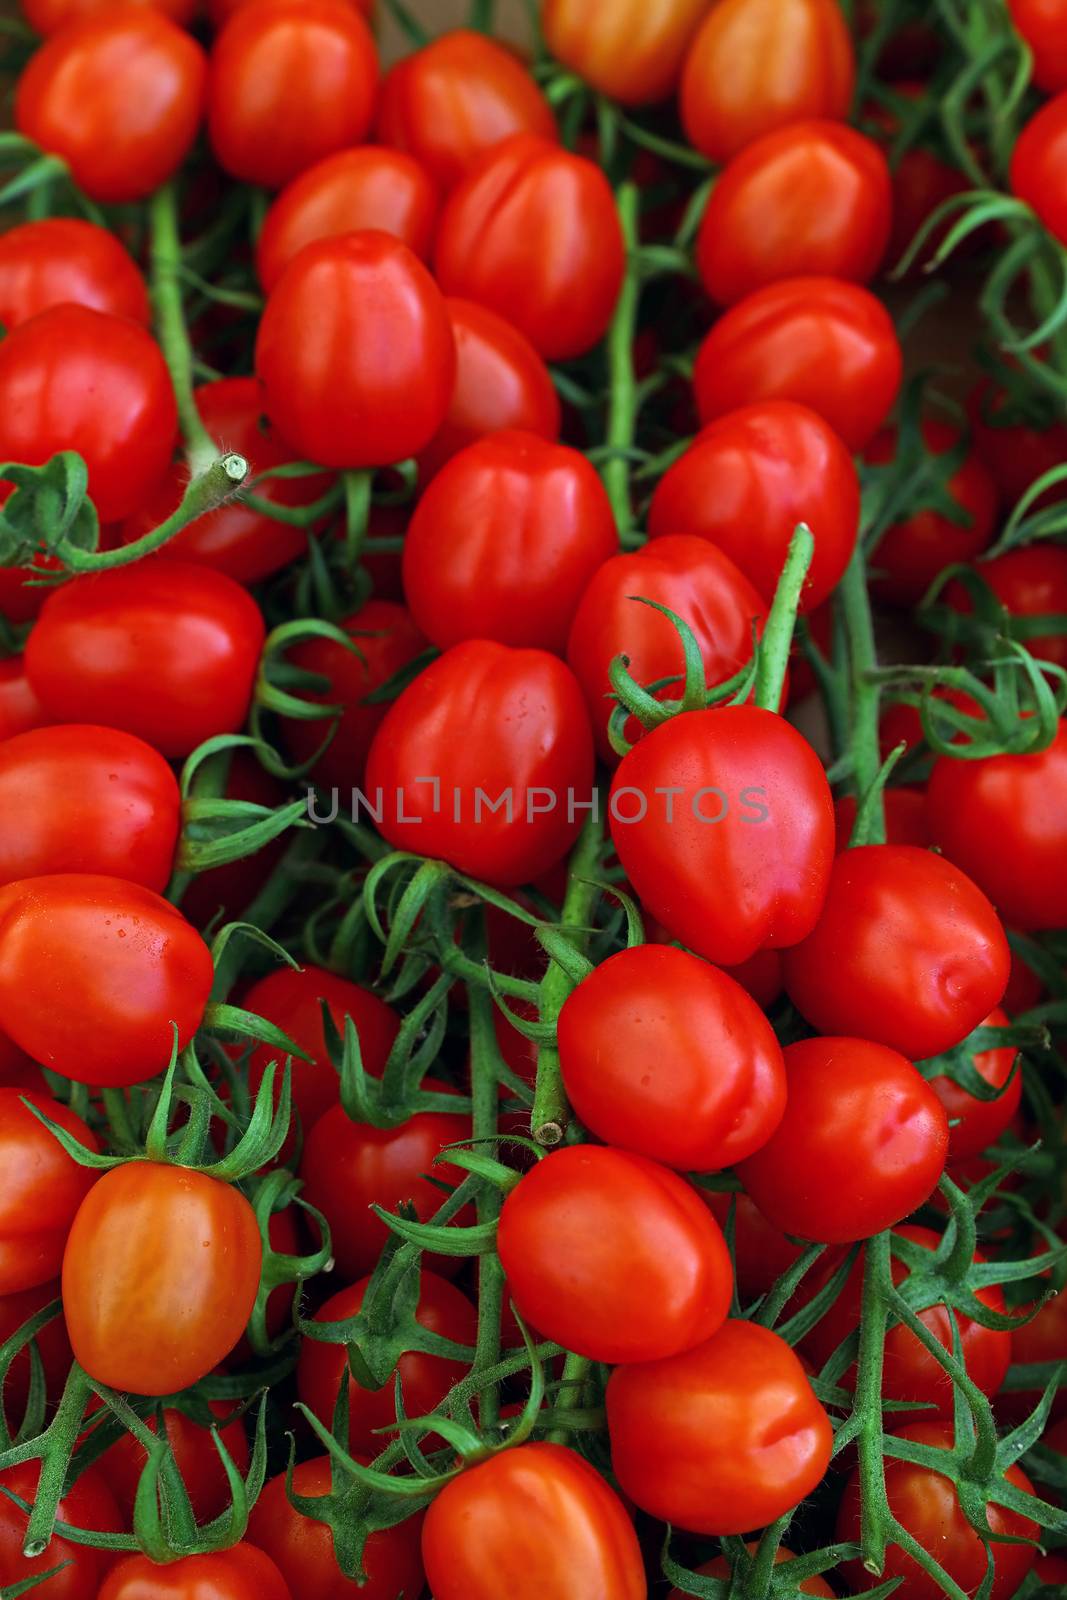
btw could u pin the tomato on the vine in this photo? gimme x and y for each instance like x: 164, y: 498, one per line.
x: 719, y: 1567
x: 43, y: 1187
x: 1037, y: 162
x: 88, y: 1503
x: 193, y: 1448
x: 63, y: 260
x: 905, y: 817
x: 239, y: 1573
x: 1043, y: 24
x: 976, y: 1123
x: 1030, y: 581
x: 630, y: 50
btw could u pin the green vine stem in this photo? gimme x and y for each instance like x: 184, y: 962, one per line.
x: 623, y: 392
x: 220, y: 481
x: 485, y: 1101
x: 864, y: 692
x: 166, y: 277
x: 777, y: 638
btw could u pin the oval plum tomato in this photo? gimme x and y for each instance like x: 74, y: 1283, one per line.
x: 43, y: 1187
x: 348, y: 192
x: 75, y: 379
x: 721, y: 1439
x: 724, y: 824
x: 20, y: 709
x: 504, y: 738
x: 459, y: 96
x: 504, y: 541
x: 1037, y: 165
x: 905, y: 818
x: 302, y: 1548
x: 631, y: 52
x: 425, y: 1379
x: 1029, y: 582
x: 75, y: 798
x: 759, y: 64
x: 812, y: 197
x: 669, y: 1057
x: 290, y: 82
x: 646, y: 1272
x: 355, y: 350
x: 61, y: 260
x: 562, y: 295
x: 747, y: 481
x: 349, y: 1166
x: 195, y: 1456
x: 388, y: 640
x: 47, y: 16
x: 827, y: 344
x: 95, y: 973
x: 1003, y: 820
x: 119, y: 95
x: 1043, y: 24
x: 166, y: 650
x: 690, y: 577
x: 89, y: 1504
x: 536, y: 1523
x: 501, y: 382
x: 908, y: 951
x: 52, y: 1344
x: 927, y: 1506
x: 761, y: 1253
x: 720, y: 1568
x: 240, y: 1573
x: 980, y: 1123
x: 859, y: 1120
x: 160, y: 1275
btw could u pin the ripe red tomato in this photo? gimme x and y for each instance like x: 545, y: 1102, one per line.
x: 747, y: 481
x: 20, y: 709
x: 908, y: 951
x: 52, y: 1344
x: 759, y: 64
x: 160, y: 1275
x: 43, y: 1188
x: 720, y: 1568
x: 290, y: 81
x: 76, y: 379
x: 859, y: 1120
x: 1015, y: 452
x: 721, y: 1439
x: 761, y: 1253
x: 165, y: 650
x: 830, y: 345
x: 355, y: 350
x: 562, y: 295
x: 495, y: 727
x: 905, y: 818
x: 630, y: 52
x: 119, y: 94
x: 62, y: 259
x: 537, y: 1523
x: 240, y: 1573
x: 93, y: 973
x: 88, y: 1503
x: 980, y: 1123
x: 1039, y: 1340
x: 459, y: 96
x: 1037, y: 162
x: 198, y: 1462
x: 1043, y: 24
x: 348, y: 192
x: 1029, y: 582
x: 46, y: 16
x: 669, y: 1057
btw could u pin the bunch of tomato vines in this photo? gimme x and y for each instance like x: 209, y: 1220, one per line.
x: 533, y: 801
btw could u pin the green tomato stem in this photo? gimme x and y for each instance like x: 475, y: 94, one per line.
x: 173, y: 335
x: 219, y: 483
x: 777, y: 638
x: 575, y: 1371
x: 868, y: 1406
x: 623, y: 402
x: 485, y: 1104
x: 863, y: 659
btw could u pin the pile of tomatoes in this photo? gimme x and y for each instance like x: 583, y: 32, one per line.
x: 533, y: 801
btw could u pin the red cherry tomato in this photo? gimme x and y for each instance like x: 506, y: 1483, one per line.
x: 721, y: 1439
x: 61, y: 259
x: 88, y: 1503
x: 291, y: 81
x: 240, y: 1573
x: 980, y: 1123
x: 1037, y: 162
x: 859, y: 1120
x: 562, y: 295
x: 905, y: 818
x: 1029, y: 582
x: 1043, y: 24
x: 197, y: 1459
x: 47, y: 16
x: 119, y: 94
x: 1017, y: 453
x: 720, y: 1568
x: 827, y: 344
x: 43, y: 1188
x: 459, y: 96
x: 761, y: 1253
x: 632, y: 52
x: 52, y: 1344
x: 20, y: 709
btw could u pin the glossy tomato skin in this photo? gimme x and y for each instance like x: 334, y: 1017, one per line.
x: 20, y: 709
x: 119, y: 94
x: 291, y: 81
x: 980, y: 1123
x: 459, y: 96
x: 89, y: 1503
x: 669, y: 1057
x: 827, y: 344
x: 908, y: 951
x: 60, y: 260
x: 165, y: 650
x: 746, y: 482
x: 160, y: 1275
x: 485, y: 719
x: 47, y: 16
x: 721, y: 1439
x: 1043, y: 24
x: 537, y: 1523
x: 905, y: 818
x: 504, y: 541
x: 43, y: 1188
x: 759, y: 64
x: 240, y: 1573
x: 688, y: 576
x: 1029, y: 582
x: 76, y: 379
x: 75, y: 798
x: 810, y: 198
x: 742, y: 860
x: 561, y: 297
x: 632, y: 52
x: 197, y: 1459
x: 94, y: 973
x: 859, y: 1120
x: 1037, y: 165
x: 355, y: 353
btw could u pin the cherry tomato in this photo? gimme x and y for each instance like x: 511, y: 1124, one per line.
x: 355, y: 350
x: 562, y: 295
x: 1017, y: 453
x: 535, y: 1522
x: 721, y: 1439
x: 291, y: 81
x: 1042, y: 1339
x: 119, y: 94
x: 827, y: 344
x: 459, y: 96
x: 905, y: 818
x: 761, y: 1253
x: 20, y: 709
x: 61, y: 259
x: 1043, y: 24
x: 1037, y: 162
x: 52, y: 1344
x: 759, y: 64
x: 88, y: 1503
x: 859, y: 1120
x: 908, y: 951
x: 980, y: 1123
x: 195, y: 1455
x: 76, y: 379
x: 47, y: 16
x: 1029, y: 582
x: 240, y: 1573
x: 43, y: 1188
x: 747, y: 481
x: 166, y: 650
x: 631, y: 52
x: 720, y: 1568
